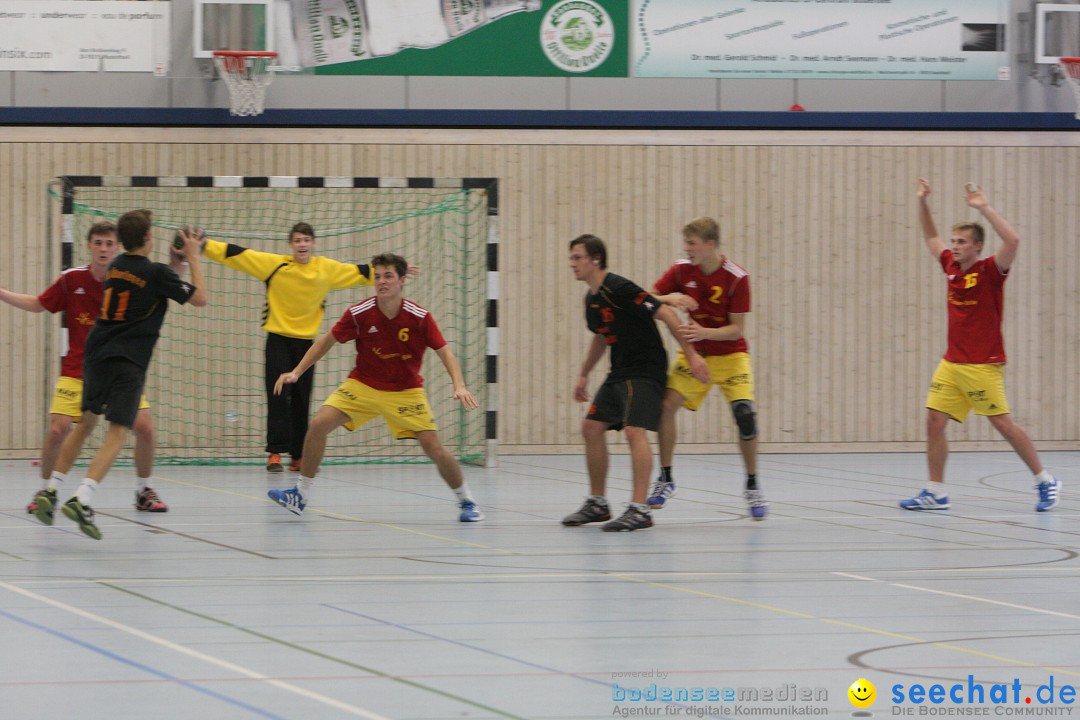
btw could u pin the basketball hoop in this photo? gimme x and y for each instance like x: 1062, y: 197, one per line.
x: 247, y: 73
x: 1070, y: 68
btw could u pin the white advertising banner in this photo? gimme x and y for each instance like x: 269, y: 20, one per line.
x: 87, y: 35
x: 838, y: 39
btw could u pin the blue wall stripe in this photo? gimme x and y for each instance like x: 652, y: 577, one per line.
x: 603, y: 119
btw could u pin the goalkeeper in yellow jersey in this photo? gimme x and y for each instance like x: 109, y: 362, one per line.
x: 296, y: 288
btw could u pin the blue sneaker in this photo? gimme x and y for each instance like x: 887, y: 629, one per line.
x: 756, y: 500
x: 1048, y: 494
x: 926, y: 500
x: 469, y: 512
x: 662, y: 491
x: 288, y: 499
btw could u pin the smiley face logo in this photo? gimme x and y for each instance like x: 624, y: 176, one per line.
x: 862, y: 693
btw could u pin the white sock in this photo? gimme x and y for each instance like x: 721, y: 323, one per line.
x: 141, y: 484
x: 85, y: 493
x: 598, y: 499
x: 55, y: 481
x: 462, y: 492
x: 937, y: 488
x: 304, y: 485
x: 643, y: 509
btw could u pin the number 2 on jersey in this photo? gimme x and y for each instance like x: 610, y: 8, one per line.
x: 717, y: 291
x: 117, y: 313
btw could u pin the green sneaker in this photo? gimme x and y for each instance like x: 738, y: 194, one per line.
x: 45, y: 506
x: 84, y: 515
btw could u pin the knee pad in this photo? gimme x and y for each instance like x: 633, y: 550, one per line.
x: 745, y: 418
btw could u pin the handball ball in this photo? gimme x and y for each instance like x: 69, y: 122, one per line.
x: 178, y: 242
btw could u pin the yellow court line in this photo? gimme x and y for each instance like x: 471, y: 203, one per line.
x: 340, y: 516
x: 688, y: 591
x: 863, y: 628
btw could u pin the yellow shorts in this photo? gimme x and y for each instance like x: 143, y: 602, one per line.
x: 67, y: 398
x: 958, y: 389
x: 406, y: 412
x: 731, y: 372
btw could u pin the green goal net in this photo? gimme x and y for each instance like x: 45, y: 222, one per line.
x: 205, y: 384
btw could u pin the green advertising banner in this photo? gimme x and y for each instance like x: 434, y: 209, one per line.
x: 840, y: 39
x: 461, y: 37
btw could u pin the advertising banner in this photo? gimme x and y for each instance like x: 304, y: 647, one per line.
x: 73, y: 35
x: 459, y: 37
x: 863, y: 39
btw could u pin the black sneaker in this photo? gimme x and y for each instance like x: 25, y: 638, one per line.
x: 84, y: 515
x: 45, y: 506
x: 591, y: 511
x: 632, y: 519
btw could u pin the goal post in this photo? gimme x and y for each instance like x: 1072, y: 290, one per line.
x: 205, y: 384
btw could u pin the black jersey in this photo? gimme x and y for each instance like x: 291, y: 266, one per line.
x: 623, y: 313
x: 133, y: 308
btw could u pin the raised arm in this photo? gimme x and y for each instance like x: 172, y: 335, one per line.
x: 259, y: 265
x: 697, y: 363
x: 453, y: 369
x: 929, y: 230
x: 595, y: 352
x: 199, y: 297
x: 21, y: 301
x: 315, y: 353
x: 189, y: 256
x: 1005, y: 256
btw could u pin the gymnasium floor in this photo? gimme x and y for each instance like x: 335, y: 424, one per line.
x: 378, y: 604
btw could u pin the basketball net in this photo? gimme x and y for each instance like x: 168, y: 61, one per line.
x: 1070, y: 68
x: 247, y: 75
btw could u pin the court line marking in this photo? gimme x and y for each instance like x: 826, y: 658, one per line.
x: 522, y: 575
x: 161, y: 675
x: 853, y: 626
x: 321, y: 655
x: 485, y: 675
x: 224, y: 664
x: 340, y: 516
x: 469, y: 646
x: 486, y: 651
x: 961, y: 596
x: 171, y: 531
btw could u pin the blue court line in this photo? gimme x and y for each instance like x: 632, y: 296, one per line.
x: 511, y: 658
x: 140, y: 666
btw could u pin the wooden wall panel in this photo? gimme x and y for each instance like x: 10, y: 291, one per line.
x: 849, y: 308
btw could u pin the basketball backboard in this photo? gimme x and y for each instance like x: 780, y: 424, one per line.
x: 1057, y: 32
x: 232, y: 25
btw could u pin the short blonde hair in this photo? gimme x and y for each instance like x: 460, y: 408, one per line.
x: 705, y: 228
x: 978, y: 234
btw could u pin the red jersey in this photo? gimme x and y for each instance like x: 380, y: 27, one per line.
x: 388, y: 351
x: 78, y: 295
x: 726, y: 290
x: 976, y: 301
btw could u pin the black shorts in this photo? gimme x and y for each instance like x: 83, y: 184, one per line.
x: 113, y: 387
x: 637, y: 402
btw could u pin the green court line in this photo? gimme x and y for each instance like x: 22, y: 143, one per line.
x: 309, y: 651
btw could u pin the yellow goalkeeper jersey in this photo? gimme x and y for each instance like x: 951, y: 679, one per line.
x: 295, y: 292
